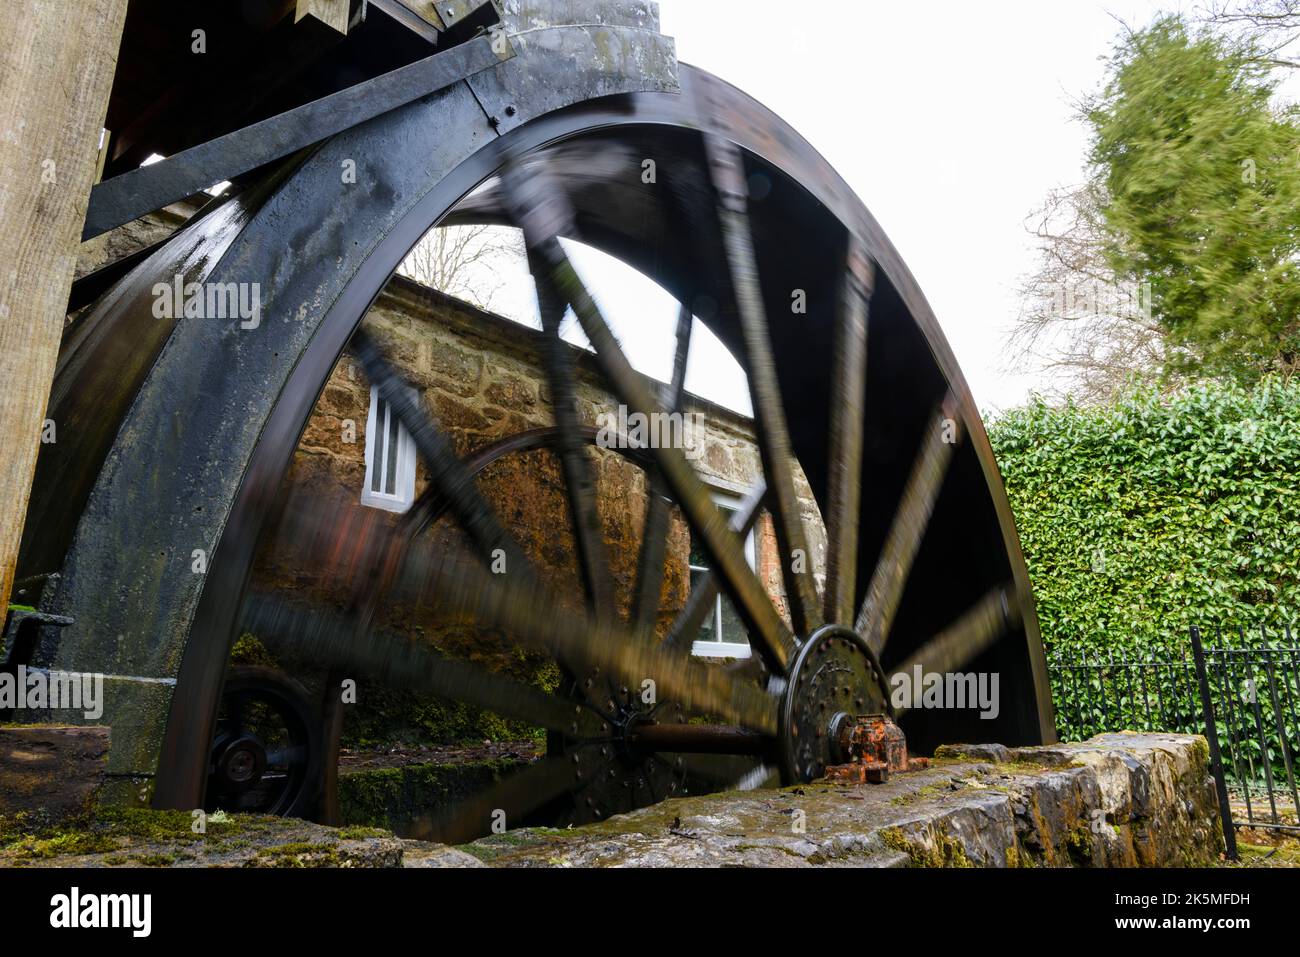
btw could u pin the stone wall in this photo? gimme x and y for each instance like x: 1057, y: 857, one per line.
x: 481, y: 377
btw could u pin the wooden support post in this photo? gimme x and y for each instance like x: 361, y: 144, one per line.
x: 57, y: 59
x: 332, y: 13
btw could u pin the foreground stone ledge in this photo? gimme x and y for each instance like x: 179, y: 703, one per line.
x: 1118, y: 800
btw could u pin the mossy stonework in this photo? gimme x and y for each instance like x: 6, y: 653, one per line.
x: 1119, y: 800
x: 396, y: 798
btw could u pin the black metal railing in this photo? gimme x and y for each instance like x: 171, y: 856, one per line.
x: 1251, y: 688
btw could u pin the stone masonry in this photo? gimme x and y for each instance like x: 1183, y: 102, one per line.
x: 482, y: 378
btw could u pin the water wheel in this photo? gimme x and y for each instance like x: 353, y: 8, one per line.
x: 180, y: 433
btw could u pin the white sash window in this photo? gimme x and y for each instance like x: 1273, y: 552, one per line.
x: 390, y: 459
x: 723, y: 634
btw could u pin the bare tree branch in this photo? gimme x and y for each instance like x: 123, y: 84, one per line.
x: 464, y: 261
x: 1271, y: 25
x: 1090, y: 333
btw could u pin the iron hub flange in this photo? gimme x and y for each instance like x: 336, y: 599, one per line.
x: 240, y: 764
x: 612, y: 775
x: 834, y: 678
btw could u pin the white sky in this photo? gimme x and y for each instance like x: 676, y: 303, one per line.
x: 971, y: 105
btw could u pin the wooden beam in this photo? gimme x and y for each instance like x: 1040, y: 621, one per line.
x: 333, y: 13
x: 56, y: 69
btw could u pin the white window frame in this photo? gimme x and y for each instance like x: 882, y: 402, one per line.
x: 403, y: 495
x: 725, y: 649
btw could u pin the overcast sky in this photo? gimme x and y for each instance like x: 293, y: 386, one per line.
x: 975, y: 102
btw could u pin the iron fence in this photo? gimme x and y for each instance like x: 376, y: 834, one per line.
x: 1245, y: 697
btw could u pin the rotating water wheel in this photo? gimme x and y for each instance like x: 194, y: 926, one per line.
x: 188, y: 428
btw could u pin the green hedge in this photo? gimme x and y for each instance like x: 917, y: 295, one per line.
x: 1140, y: 518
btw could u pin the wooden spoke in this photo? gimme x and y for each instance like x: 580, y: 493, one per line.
x: 938, y: 441
x: 732, y: 772
x: 728, y: 173
x: 701, y: 602
x: 654, y: 535
x: 966, y: 638
x: 575, y: 463
x: 847, y: 414
x: 320, y: 635
x: 539, y: 211
x: 447, y: 474
x: 530, y: 614
x: 510, y: 800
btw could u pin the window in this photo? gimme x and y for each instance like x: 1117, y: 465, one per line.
x: 723, y: 634
x: 390, y: 459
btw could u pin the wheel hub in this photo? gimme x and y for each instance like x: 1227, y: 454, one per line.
x: 835, y: 677
x: 612, y: 773
x: 240, y: 764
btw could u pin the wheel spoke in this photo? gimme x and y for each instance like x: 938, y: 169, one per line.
x: 235, y: 711
x: 728, y: 174
x: 579, y: 480
x: 539, y: 211
x: 966, y: 638
x: 319, y: 635
x: 520, y: 607
x: 530, y: 614
x: 700, y: 603
x: 654, y: 534
x: 732, y: 772
x: 289, y: 754
x: 847, y: 414
x: 447, y: 474
x: 876, y: 617
x: 510, y: 801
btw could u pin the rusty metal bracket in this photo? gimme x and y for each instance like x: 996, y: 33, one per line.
x: 872, y: 747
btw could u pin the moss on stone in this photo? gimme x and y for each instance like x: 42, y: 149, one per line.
x: 63, y: 844
x: 249, y: 650
x: 392, y: 797
x: 946, y: 851
x: 1078, y: 845
x: 360, y: 832
x: 1201, y: 751
x: 302, y: 854
x: 32, y: 837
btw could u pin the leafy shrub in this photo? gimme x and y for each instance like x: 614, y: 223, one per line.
x: 1140, y: 518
